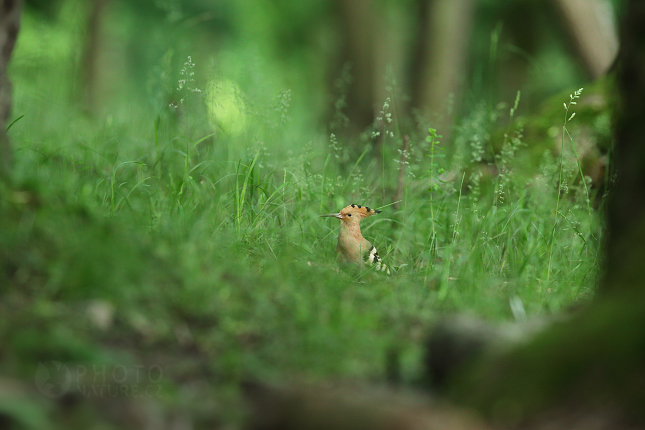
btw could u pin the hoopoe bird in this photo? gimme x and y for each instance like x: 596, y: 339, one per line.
x: 352, y: 247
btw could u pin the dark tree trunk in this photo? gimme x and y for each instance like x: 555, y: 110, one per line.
x: 445, y: 30
x: 625, y: 240
x: 359, y: 19
x: 90, y: 63
x: 9, y: 27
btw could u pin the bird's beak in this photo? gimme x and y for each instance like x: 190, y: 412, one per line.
x: 338, y: 215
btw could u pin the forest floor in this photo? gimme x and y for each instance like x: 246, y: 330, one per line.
x: 170, y: 263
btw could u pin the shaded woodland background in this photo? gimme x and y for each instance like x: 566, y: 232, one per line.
x: 434, y: 57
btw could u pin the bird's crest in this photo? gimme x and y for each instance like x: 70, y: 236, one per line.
x: 363, y: 211
x: 353, y: 213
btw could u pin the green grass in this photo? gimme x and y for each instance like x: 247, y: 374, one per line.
x: 209, y: 255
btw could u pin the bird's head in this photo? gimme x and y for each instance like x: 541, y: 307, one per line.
x: 353, y: 213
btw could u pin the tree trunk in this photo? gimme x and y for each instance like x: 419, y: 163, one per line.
x: 625, y: 239
x: 9, y: 27
x: 90, y: 91
x: 592, y: 30
x: 445, y: 32
x: 359, y: 19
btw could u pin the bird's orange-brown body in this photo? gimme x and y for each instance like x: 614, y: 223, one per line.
x: 352, y: 247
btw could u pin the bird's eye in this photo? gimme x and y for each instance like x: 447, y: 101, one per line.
x: 349, y: 214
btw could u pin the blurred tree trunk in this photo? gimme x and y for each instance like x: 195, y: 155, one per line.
x: 392, y: 35
x: 625, y: 239
x: 589, y: 371
x: 520, y: 30
x: 90, y: 62
x: 591, y: 27
x: 358, y: 20
x: 446, y: 27
x: 9, y: 27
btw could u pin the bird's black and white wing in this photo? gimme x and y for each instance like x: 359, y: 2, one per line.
x: 374, y: 259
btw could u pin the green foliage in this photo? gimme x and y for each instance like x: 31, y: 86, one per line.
x: 172, y: 237
x: 200, y: 236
